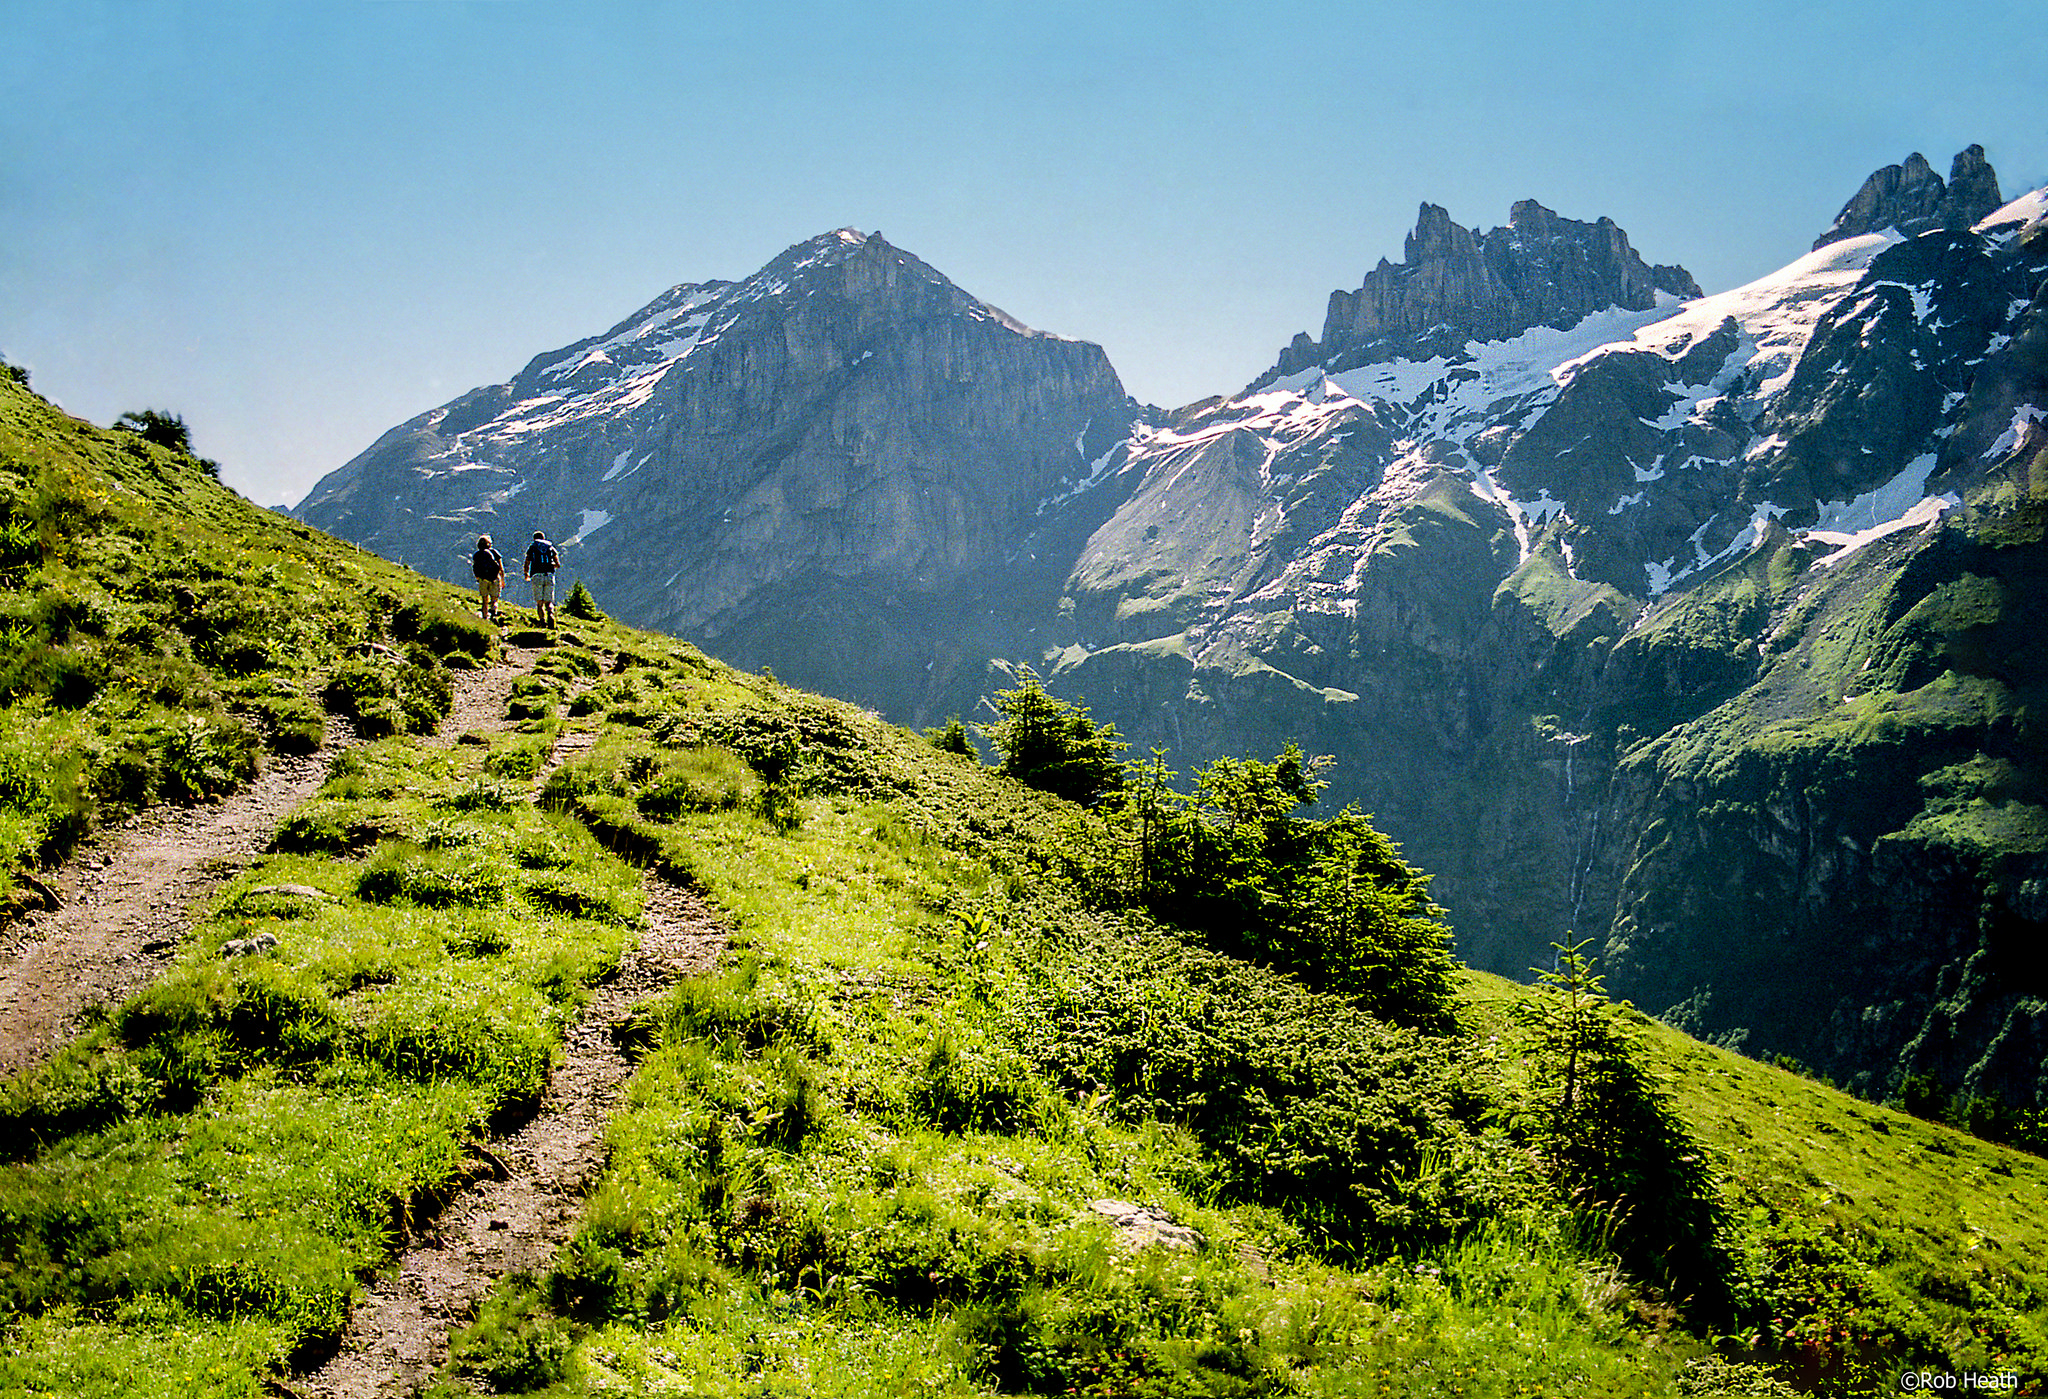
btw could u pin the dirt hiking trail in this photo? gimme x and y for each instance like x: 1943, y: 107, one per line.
x: 125, y: 901
x: 398, y: 1335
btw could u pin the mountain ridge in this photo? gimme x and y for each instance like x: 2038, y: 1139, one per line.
x: 1454, y: 284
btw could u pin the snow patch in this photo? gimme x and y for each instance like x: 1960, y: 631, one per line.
x: 1659, y: 575
x: 1451, y: 396
x: 1924, y: 513
x: 2016, y: 215
x: 1899, y: 504
x: 1092, y: 478
x: 1888, y: 502
x: 592, y: 521
x: 1777, y: 314
x: 2019, y: 430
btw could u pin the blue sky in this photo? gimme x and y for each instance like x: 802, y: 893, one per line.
x: 299, y: 224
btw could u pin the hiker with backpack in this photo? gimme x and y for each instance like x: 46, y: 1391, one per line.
x: 489, y: 567
x: 542, y: 559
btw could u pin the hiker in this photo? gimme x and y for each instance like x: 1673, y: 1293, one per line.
x: 489, y: 567
x: 542, y: 559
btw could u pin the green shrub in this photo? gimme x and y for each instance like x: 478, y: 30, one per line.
x: 479, y: 795
x: 292, y: 723
x: 568, y: 663
x: 1616, y: 1142
x: 1369, y: 1134
x: 69, y: 676
x: 729, y: 1011
x: 972, y: 1087
x: 1052, y: 744
x: 383, y: 695
x: 21, y: 547
x: 581, y: 604
x: 952, y: 737
x: 366, y: 693
x: 515, y: 1345
x: 697, y: 779
x: 520, y: 762
x: 1331, y: 902
x: 204, y: 756
x: 153, y: 425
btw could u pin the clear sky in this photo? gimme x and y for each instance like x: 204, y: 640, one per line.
x: 300, y: 223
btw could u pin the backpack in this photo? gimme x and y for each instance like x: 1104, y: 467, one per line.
x: 541, y: 557
x: 485, y: 563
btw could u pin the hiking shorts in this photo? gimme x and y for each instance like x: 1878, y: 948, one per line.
x: 543, y: 589
x: 487, y: 591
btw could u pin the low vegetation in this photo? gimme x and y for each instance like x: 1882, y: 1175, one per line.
x: 161, y: 634
x: 1177, y: 1092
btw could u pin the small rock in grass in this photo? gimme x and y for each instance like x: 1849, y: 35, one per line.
x: 1142, y: 1226
x: 248, y: 947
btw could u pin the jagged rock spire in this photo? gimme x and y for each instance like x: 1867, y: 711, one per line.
x: 1913, y: 199
x: 1455, y: 284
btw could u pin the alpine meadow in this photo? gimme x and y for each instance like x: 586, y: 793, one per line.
x: 807, y: 1053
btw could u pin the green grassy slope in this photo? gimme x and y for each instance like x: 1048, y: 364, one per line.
x: 161, y: 633
x: 864, y: 1157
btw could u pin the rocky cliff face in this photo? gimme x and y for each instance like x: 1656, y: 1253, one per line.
x: 1911, y: 199
x: 1701, y: 625
x: 1454, y: 285
x: 1699, y: 628
x: 811, y: 468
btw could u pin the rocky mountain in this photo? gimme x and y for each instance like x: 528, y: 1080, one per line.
x: 1911, y: 199
x: 1700, y: 628
x: 1454, y: 285
x: 1696, y: 624
x: 823, y: 467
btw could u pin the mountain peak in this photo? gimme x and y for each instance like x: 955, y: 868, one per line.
x: 1456, y: 285
x: 1912, y: 199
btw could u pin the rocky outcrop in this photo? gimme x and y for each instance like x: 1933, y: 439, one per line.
x: 1912, y: 199
x: 1455, y: 285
